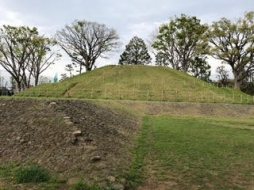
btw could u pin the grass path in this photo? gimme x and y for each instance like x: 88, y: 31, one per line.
x: 196, y: 153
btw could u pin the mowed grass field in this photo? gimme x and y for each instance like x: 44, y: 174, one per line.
x: 195, y: 153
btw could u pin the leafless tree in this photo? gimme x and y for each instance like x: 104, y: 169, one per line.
x: 41, y: 57
x: 86, y: 41
x: 222, y: 75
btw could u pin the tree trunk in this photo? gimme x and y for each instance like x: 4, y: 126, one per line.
x: 88, y: 69
x: 19, y: 85
x: 80, y: 68
x: 237, y: 82
x: 36, y: 78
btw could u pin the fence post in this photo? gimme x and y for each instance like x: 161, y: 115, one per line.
x: 105, y: 94
x: 241, y: 98
x: 162, y: 95
x: 147, y: 95
x: 176, y: 98
x: 92, y: 93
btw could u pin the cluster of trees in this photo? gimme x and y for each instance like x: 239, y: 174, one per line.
x: 183, y: 44
x: 25, y: 54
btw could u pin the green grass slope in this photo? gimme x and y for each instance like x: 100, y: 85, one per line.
x: 134, y: 82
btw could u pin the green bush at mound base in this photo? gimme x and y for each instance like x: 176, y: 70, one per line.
x: 31, y: 174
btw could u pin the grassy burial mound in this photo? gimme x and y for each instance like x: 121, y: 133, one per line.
x: 134, y: 82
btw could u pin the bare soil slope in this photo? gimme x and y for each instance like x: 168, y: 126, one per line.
x: 67, y: 137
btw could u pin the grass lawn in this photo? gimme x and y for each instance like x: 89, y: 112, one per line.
x: 196, y: 153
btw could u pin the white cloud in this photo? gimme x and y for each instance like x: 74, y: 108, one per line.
x: 10, y: 18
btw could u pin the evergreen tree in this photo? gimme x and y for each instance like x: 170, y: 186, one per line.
x: 161, y: 59
x: 135, y: 53
x: 199, y: 68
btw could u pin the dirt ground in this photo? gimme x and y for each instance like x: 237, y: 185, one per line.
x: 191, y: 109
x: 67, y: 137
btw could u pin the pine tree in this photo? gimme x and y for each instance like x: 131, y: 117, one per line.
x: 199, y: 68
x: 135, y: 53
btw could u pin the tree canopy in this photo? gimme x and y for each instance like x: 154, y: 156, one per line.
x: 180, y: 41
x: 86, y: 41
x: 25, y: 54
x: 233, y: 43
x: 135, y: 53
x: 199, y: 68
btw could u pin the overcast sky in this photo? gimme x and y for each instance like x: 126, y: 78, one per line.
x: 128, y: 17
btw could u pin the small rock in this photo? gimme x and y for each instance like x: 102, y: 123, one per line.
x: 52, y: 103
x: 77, y: 133
x: 69, y: 122
x: 74, y: 140
x: 111, y: 178
x: 118, y: 186
x: 66, y: 117
x: 73, y: 180
x: 101, y: 166
x: 123, y: 181
x: 95, y: 159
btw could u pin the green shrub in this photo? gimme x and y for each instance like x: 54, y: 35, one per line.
x: 31, y: 174
x: 82, y: 186
x: 79, y: 186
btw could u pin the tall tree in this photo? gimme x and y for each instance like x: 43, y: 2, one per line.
x: 14, y: 50
x: 222, y: 75
x: 181, y: 40
x: 161, y: 59
x: 135, y: 53
x: 22, y: 53
x: 199, y: 68
x: 233, y: 43
x: 42, y: 56
x: 86, y: 41
x: 69, y: 68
